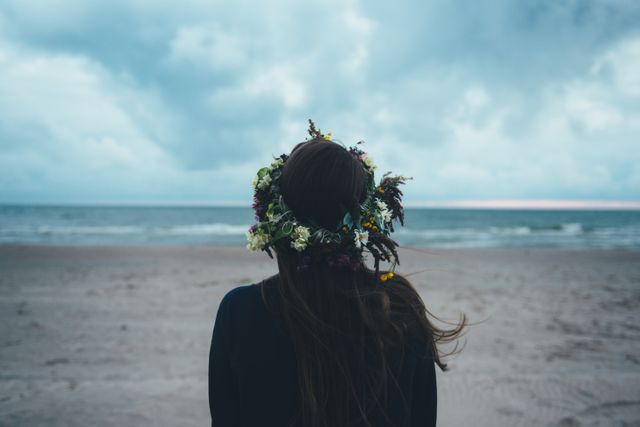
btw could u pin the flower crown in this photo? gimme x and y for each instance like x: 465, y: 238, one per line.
x: 341, y: 247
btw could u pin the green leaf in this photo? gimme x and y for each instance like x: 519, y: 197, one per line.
x: 279, y: 235
x: 262, y: 172
x: 271, y: 208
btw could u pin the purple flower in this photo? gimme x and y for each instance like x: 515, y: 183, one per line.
x: 258, y: 206
x: 344, y: 261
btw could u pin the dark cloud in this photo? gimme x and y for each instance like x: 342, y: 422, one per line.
x: 200, y: 88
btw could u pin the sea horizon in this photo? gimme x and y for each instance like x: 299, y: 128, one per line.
x: 435, y: 227
x: 494, y: 204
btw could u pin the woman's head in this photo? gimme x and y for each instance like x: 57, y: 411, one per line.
x: 322, y: 181
x: 322, y: 201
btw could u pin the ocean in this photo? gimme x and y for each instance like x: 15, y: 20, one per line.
x: 434, y: 228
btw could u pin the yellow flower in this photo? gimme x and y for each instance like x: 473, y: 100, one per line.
x: 385, y: 276
x: 328, y: 136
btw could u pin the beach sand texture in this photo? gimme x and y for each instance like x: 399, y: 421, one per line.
x: 102, y: 336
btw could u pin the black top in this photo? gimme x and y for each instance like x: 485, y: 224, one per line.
x: 252, y: 370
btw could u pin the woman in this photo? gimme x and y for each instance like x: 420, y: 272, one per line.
x: 327, y: 341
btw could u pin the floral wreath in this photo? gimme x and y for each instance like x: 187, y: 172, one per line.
x: 343, y: 246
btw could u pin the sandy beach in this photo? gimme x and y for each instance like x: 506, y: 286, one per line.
x: 102, y: 336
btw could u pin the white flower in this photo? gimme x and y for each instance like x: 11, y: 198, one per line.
x: 367, y: 160
x: 266, y: 180
x: 384, y: 212
x: 276, y: 163
x: 302, y: 232
x: 299, y: 245
x: 381, y: 204
x: 300, y: 237
x: 361, y: 238
x: 257, y: 240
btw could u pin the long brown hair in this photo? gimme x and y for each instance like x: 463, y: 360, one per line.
x: 343, y: 324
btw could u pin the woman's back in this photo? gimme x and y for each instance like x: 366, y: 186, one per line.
x: 327, y: 342
x: 253, y: 377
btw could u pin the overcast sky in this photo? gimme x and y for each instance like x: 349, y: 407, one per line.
x: 149, y: 101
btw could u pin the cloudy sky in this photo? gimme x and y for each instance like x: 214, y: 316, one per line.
x: 182, y: 102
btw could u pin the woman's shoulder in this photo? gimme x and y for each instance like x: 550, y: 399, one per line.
x: 240, y: 295
x: 246, y: 295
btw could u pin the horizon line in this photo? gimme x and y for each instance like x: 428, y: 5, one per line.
x: 506, y: 204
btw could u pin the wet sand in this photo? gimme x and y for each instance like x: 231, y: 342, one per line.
x: 105, y: 336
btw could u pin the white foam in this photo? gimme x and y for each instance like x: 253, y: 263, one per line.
x: 217, y: 229
x: 572, y: 228
x: 85, y: 229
